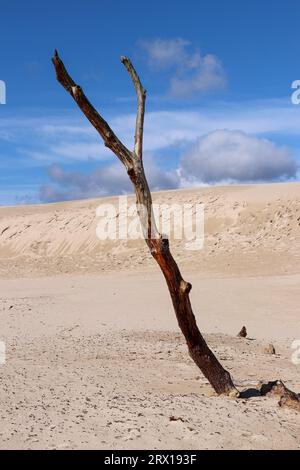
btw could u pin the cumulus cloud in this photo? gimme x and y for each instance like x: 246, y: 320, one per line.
x: 234, y: 156
x: 191, y: 71
x: 110, y: 179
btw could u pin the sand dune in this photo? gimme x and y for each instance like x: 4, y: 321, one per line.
x: 94, y: 356
x: 257, y: 227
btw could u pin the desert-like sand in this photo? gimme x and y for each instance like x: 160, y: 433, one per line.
x: 94, y: 355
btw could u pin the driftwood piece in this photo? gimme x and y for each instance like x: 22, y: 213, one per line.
x: 242, y: 333
x: 269, y: 349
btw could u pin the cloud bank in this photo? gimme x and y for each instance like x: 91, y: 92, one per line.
x: 111, y: 179
x: 179, y: 140
x: 234, y: 156
x: 222, y: 156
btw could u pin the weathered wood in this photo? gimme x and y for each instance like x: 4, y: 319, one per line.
x: 288, y: 398
x: 242, y: 333
x: 179, y: 289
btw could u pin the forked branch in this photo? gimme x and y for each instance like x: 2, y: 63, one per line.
x: 109, y: 137
x: 179, y: 289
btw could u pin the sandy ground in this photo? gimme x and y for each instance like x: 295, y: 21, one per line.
x: 94, y: 356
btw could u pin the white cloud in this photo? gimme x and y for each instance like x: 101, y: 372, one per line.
x: 164, y: 53
x: 191, y: 71
x: 209, y: 76
x: 233, y: 156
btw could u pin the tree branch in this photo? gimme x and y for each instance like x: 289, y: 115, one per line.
x: 141, y: 99
x: 109, y: 137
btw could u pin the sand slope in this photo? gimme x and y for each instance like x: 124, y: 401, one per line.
x: 94, y: 356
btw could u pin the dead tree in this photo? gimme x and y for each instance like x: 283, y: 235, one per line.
x: 179, y: 289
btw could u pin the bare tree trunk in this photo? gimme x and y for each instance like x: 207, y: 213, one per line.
x: 179, y: 289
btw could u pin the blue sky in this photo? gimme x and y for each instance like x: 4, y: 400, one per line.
x: 218, y: 76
